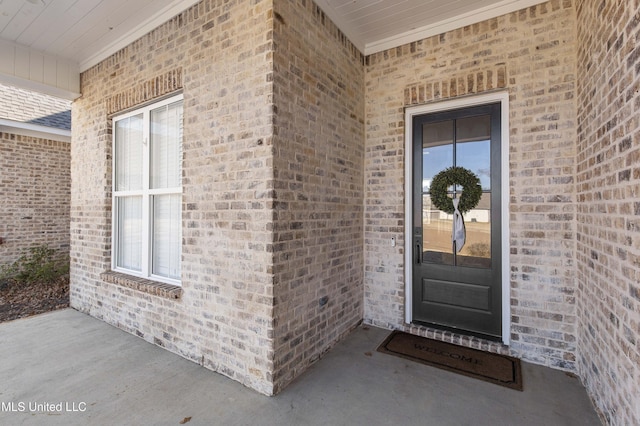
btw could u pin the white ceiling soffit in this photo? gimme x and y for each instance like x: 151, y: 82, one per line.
x: 377, y: 25
x: 171, y: 9
x: 83, y: 31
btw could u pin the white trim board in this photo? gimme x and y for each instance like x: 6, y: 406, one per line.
x: 410, y: 112
x: 34, y: 130
x: 36, y: 70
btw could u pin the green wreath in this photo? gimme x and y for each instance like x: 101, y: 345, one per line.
x: 471, y: 189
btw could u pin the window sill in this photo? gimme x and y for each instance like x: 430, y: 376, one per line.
x: 156, y: 288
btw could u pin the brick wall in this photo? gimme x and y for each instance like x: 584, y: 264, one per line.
x: 286, y: 162
x: 608, y: 206
x: 272, y: 182
x: 35, y: 192
x: 218, y: 53
x: 318, y: 167
x: 532, y: 54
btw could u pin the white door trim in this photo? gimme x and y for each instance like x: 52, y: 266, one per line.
x: 410, y: 112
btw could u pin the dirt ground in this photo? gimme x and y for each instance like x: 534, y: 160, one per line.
x: 23, y: 300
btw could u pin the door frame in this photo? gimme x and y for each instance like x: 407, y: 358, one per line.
x: 468, y: 101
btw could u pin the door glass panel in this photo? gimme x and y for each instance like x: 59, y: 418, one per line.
x: 476, y: 252
x: 473, y: 147
x: 437, y: 155
x: 436, y: 234
x: 437, y: 150
x: 476, y: 128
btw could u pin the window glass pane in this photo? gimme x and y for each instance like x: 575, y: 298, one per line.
x: 129, y: 152
x: 166, y: 141
x: 473, y: 147
x: 129, y: 233
x: 476, y: 252
x: 167, y: 237
x: 147, y: 187
x: 437, y: 150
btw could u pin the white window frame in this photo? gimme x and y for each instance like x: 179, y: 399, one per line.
x: 147, y: 196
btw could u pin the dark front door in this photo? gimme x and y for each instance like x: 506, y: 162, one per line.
x: 458, y: 289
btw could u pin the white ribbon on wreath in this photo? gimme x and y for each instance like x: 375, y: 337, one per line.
x: 459, y: 234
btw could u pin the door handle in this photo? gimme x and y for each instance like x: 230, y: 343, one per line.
x: 418, y: 254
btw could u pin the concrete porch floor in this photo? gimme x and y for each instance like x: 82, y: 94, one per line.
x: 111, y: 377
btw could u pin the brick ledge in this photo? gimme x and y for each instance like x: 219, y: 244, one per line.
x: 156, y: 288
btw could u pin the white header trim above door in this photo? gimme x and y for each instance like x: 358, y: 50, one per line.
x: 463, y: 102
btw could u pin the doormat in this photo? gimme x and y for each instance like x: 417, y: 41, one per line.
x: 494, y: 368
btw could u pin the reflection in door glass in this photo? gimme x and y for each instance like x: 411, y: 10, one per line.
x: 434, y: 160
x: 437, y: 150
x: 473, y: 147
x: 437, y: 155
x: 476, y: 252
x: 436, y: 234
x: 476, y: 156
x: 464, y: 142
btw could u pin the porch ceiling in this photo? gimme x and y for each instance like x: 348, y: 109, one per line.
x: 376, y: 25
x: 45, y: 44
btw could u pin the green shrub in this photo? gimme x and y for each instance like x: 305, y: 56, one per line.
x: 41, y: 264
